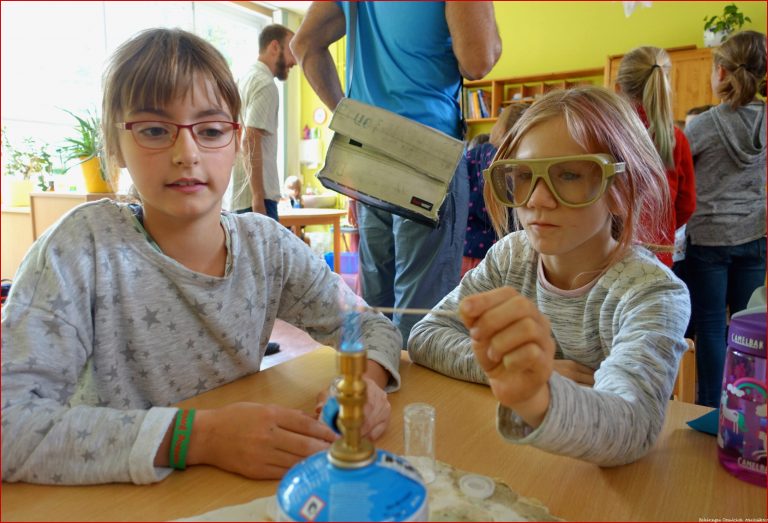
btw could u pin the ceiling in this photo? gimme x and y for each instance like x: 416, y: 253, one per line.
x: 295, y: 6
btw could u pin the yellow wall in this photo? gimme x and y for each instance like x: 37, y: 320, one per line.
x: 539, y: 37
x: 309, y: 102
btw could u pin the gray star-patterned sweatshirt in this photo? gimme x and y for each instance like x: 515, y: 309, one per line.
x: 629, y: 324
x: 102, y: 333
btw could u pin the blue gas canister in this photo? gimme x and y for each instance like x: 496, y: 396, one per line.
x: 352, y: 481
x: 387, y: 489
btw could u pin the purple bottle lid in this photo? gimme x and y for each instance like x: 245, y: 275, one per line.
x: 746, y: 332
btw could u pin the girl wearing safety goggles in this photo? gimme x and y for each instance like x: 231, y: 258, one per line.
x: 576, y: 326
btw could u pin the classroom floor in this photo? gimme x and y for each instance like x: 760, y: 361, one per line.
x: 293, y: 342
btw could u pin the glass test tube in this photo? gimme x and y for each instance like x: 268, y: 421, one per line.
x: 419, y: 438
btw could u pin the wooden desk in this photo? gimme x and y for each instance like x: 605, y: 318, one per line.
x: 295, y: 218
x: 680, y: 479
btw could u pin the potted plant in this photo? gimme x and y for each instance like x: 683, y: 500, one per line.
x: 718, y: 28
x: 21, y: 164
x: 85, y: 146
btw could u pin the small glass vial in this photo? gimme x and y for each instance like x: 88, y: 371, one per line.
x: 419, y: 438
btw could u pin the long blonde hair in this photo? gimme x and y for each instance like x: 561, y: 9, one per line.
x: 602, y: 122
x: 644, y: 78
x: 743, y: 56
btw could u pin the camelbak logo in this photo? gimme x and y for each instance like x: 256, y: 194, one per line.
x: 747, y: 342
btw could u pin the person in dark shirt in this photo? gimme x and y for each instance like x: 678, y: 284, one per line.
x: 480, y: 234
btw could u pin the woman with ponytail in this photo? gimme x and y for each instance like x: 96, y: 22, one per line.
x: 643, y: 78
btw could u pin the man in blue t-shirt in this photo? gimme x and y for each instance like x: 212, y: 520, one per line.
x: 409, y: 58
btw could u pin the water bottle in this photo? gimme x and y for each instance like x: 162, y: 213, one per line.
x: 741, y: 434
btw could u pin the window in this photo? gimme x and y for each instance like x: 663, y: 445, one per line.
x: 53, y: 53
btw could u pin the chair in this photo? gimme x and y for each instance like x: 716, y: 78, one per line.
x: 685, y: 384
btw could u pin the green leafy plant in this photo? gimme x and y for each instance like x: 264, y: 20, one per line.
x: 85, y: 145
x: 729, y: 21
x: 30, y: 158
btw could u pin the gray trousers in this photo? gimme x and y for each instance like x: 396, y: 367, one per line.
x: 406, y: 264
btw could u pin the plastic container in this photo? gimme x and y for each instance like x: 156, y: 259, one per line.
x: 348, y: 262
x: 741, y: 437
x: 389, y: 489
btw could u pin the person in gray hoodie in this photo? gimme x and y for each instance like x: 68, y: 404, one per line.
x: 726, y: 235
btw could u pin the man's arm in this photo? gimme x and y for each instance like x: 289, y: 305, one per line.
x: 256, y: 178
x: 476, y: 41
x: 323, y: 25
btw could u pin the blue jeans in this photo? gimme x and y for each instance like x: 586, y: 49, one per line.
x: 681, y: 271
x: 269, y: 205
x: 719, y: 276
x: 406, y: 264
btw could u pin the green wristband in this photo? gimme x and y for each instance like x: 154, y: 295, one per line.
x: 182, y: 432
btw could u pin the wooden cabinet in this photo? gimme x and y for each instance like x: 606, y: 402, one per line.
x: 526, y: 89
x: 48, y: 207
x: 16, y: 238
x: 690, y: 78
x: 21, y: 226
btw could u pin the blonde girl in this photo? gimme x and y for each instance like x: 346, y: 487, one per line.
x: 119, y: 311
x: 643, y: 77
x: 572, y: 298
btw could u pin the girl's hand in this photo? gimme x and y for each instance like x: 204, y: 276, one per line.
x: 257, y: 441
x: 377, y: 409
x: 513, y: 344
x: 575, y: 371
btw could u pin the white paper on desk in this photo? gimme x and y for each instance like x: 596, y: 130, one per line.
x: 389, y: 161
x: 446, y: 503
x: 260, y: 509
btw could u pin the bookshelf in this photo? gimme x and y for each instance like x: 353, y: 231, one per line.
x: 524, y: 89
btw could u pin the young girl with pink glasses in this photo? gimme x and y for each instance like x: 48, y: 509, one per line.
x: 119, y: 311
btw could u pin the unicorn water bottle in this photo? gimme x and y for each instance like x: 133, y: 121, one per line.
x: 741, y: 434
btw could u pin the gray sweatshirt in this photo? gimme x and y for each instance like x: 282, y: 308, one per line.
x: 102, y: 333
x: 629, y: 324
x: 728, y: 148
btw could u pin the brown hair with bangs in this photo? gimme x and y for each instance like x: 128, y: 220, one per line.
x: 154, y: 68
x: 602, y: 122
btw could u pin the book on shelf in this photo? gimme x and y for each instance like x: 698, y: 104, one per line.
x: 475, y: 104
x: 485, y: 102
x: 476, y: 113
x: 466, y: 105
